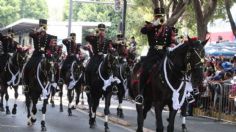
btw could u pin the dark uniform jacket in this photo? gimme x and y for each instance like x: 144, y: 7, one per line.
x: 41, y: 43
x: 41, y: 46
x: 97, y: 45
x: 71, y: 46
x: 7, y: 45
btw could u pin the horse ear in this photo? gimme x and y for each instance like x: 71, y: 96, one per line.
x: 189, y: 40
x: 204, y: 42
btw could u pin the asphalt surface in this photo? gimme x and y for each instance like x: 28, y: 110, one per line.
x: 60, y: 121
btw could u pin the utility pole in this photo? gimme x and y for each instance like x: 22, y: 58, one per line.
x: 70, y: 17
x: 124, y: 17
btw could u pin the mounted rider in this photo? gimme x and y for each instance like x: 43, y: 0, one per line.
x: 120, y: 45
x: 160, y: 37
x: 71, y: 48
x: 7, y: 47
x: 41, y: 41
x: 99, y: 47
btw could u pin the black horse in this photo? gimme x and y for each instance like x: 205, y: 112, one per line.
x: 11, y: 76
x: 123, y: 72
x: 37, y: 77
x: 70, y: 74
x: 167, y: 82
x: 102, y: 83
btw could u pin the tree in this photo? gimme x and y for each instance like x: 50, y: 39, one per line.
x: 12, y: 10
x: 95, y: 13
x: 228, y: 4
x: 204, y: 11
x: 35, y: 9
x: 9, y: 11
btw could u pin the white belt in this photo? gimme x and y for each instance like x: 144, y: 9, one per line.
x: 159, y: 47
x: 42, y: 48
x: 100, y: 53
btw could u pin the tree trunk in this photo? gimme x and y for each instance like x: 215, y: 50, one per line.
x: 231, y: 20
x: 203, y: 16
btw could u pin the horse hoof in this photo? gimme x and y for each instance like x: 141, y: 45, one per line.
x: 73, y: 107
x: 139, y: 130
x: 107, y: 130
x: 120, y: 113
x: 14, y: 110
x: 33, y: 120
x: 61, y: 108
x: 92, y: 122
x: 2, y: 109
x: 44, y: 129
x: 29, y: 123
x: 184, y: 130
x: 69, y: 112
x: 7, y: 110
x: 53, y: 104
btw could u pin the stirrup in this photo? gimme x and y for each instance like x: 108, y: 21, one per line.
x: 114, y: 90
x: 139, y: 99
x: 190, y: 99
x: 196, y: 91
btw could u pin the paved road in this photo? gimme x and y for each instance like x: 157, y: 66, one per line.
x: 60, y: 122
x: 55, y: 121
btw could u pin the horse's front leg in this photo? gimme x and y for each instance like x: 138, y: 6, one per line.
x: 172, y: 114
x: 77, y: 91
x: 70, y: 97
x: 7, y: 98
x: 183, y: 115
x: 53, y: 92
x: 120, y: 94
x: 44, y: 109
x: 158, y: 112
x: 139, y: 109
x: 106, y: 109
x: 14, y: 110
x: 94, y: 105
x: 60, y: 95
x: 28, y: 104
x: 1, y: 102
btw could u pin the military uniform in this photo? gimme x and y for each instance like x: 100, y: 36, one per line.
x: 41, y: 45
x: 99, y: 48
x: 159, y: 39
x: 7, y: 47
x: 120, y: 46
x: 71, y: 48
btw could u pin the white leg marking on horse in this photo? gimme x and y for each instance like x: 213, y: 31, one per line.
x: 184, y: 120
x: 69, y: 105
x: 119, y: 106
x: 93, y: 114
x: 106, y: 118
x: 32, y: 115
x: 43, y: 118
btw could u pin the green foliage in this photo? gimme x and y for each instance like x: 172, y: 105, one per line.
x: 9, y: 11
x: 12, y: 10
x: 34, y: 9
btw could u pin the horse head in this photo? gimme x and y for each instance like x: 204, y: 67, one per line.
x: 21, y: 57
x: 188, y: 59
x: 195, y: 58
x: 112, y: 60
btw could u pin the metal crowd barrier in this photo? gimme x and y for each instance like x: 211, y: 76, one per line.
x: 217, y: 102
